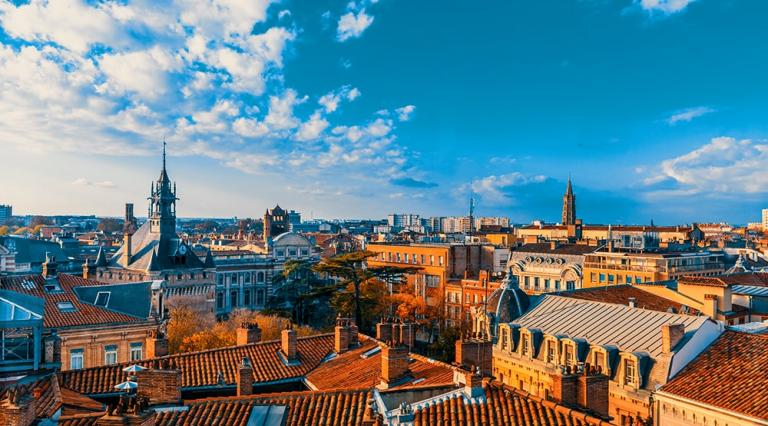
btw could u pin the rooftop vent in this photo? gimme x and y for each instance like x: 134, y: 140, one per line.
x: 66, y: 307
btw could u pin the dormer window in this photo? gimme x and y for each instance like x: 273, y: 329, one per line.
x: 568, y: 355
x: 504, y: 339
x: 524, y: 345
x: 102, y: 298
x: 630, y: 372
x: 551, y: 351
x: 600, y: 362
x: 66, y: 307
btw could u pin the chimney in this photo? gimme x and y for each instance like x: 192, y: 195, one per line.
x: 671, y: 335
x: 129, y: 228
x: 89, y: 270
x: 157, y: 345
x: 341, y: 335
x: 17, y: 409
x: 710, y: 306
x: 289, y: 345
x: 248, y: 333
x: 384, y: 331
x: 159, y: 386
x: 130, y: 411
x: 52, y: 345
x: 632, y: 302
x: 394, y: 364
x: 471, y: 381
x: 474, y: 353
x: 49, y: 266
x: 407, y: 334
x: 565, y: 387
x: 245, y: 378
x: 593, y: 391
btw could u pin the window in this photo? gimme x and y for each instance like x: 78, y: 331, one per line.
x: 247, y: 278
x: 638, y: 280
x: 233, y: 298
x: 260, y: 277
x: 110, y: 354
x: 593, y: 277
x: 524, y: 346
x: 630, y: 372
x: 423, y: 258
x: 629, y: 279
x: 102, y: 298
x: 220, y: 300
x: 440, y: 260
x: 221, y: 279
x: 551, y: 353
x: 305, y: 252
x: 504, y: 339
x: 431, y: 259
x: 557, y: 284
x: 570, y: 285
x: 292, y: 252
x: 398, y: 257
x: 247, y: 297
x: 259, y: 297
x: 602, y: 278
x: 137, y: 351
x: 75, y: 359
x: 600, y: 362
x: 536, y: 283
x: 568, y: 355
x: 280, y: 253
x: 180, y: 276
x: 527, y: 282
x: 546, y: 283
x: 66, y: 307
x: 611, y: 278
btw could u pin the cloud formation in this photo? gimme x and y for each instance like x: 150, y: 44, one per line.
x: 723, y: 166
x: 664, y: 6
x: 688, y: 114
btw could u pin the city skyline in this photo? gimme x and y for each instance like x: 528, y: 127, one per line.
x: 360, y: 109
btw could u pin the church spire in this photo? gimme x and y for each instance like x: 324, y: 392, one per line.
x: 569, y: 205
x: 162, y: 209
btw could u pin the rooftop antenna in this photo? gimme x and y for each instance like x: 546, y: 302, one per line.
x: 471, y: 211
x: 164, y: 144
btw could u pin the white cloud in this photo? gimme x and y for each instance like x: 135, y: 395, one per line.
x: 352, y: 25
x: 492, y: 188
x: 664, y: 6
x: 331, y: 100
x: 404, y: 113
x: 280, y: 116
x: 724, y: 165
x: 85, y: 182
x: 688, y: 114
x: 312, y: 129
x: 144, y: 72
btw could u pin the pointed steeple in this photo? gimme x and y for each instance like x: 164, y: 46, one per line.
x: 569, y: 205
x: 101, y: 258
x: 209, y: 260
x: 153, y: 262
x: 569, y: 188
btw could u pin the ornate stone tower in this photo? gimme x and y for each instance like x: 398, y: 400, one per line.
x: 162, y: 205
x: 569, y: 205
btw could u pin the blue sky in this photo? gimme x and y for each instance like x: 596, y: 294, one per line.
x: 356, y: 109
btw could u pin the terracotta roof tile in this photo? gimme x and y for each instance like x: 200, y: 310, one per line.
x: 53, y: 397
x: 620, y: 294
x: 202, y: 368
x: 503, y: 406
x: 350, y: 370
x: 84, y: 314
x: 730, y: 374
x: 573, y: 249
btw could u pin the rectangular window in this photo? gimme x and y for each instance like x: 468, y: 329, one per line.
x: 440, y: 260
x: 431, y: 259
x: 504, y: 339
x: 305, y: 252
x: 557, y: 284
x: 600, y: 361
x: 593, y: 277
x: 629, y: 279
x: 233, y: 298
x: 611, y: 278
x: 292, y: 252
x: 527, y: 282
x: 630, y: 372
x: 247, y: 297
x: 568, y: 355
x: 551, y: 353
x: 536, y: 283
x: 602, y: 278
x: 638, y: 280
x: 220, y: 300
x: 524, y: 346
x: 546, y: 283
x: 110, y: 354
x: 280, y: 253
x: 570, y: 285
x: 75, y: 359
x: 398, y: 257
x: 423, y: 258
x: 137, y: 351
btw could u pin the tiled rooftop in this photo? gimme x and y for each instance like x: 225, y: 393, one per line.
x: 202, y: 368
x: 572, y: 249
x: 83, y: 314
x: 503, y: 406
x: 350, y: 370
x: 53, y: 397
x: 759, y: 279
x: 730, y: 374
x: 620, y: 295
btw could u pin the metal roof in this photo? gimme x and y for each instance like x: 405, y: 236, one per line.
x: 749, y: 290
x: 629, y: 329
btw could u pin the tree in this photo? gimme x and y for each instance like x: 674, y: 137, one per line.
x: 184, y: 322
x: 110, y: 224
x: 3, y: 230
x: 373, y: 301
x: 21, y: 231
x: 408, y: 306
x: 299, y: 294
x: 351, y: 269
x: 40, y: 220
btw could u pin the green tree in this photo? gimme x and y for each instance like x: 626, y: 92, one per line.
x: 352, y: 271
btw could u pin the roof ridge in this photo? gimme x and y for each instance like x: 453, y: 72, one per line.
x: 289, y: 395
x: 314, y: 336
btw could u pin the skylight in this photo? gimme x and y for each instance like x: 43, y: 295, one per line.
x: 66, y: 307
x: 102, y: 298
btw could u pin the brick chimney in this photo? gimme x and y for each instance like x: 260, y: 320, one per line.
x: 129, y: 411
x: 394, y: 365
x: 473, y: 353
x: 671, y: 335
x: 593, y: 391
x: 52, y: 351
x: 470, y: 381
x: 245, y: 378
x: 50, y: 266
x: 89, y: 270
x: 341, y: 338
x: 129, y: 228
x: 565, y: 388
x: 384, y: 331
x: 288, y: 347
x: 17, y: 409
x: 159, y: 386
x: 157, y: 345
x: 407, y: 334
x: 248, y: 333
x: 710, y: 306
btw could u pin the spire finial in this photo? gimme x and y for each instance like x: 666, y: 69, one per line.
x: 164, y: 144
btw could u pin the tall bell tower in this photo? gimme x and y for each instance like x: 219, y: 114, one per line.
x: 569, y: 205
x: 162, y: 204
